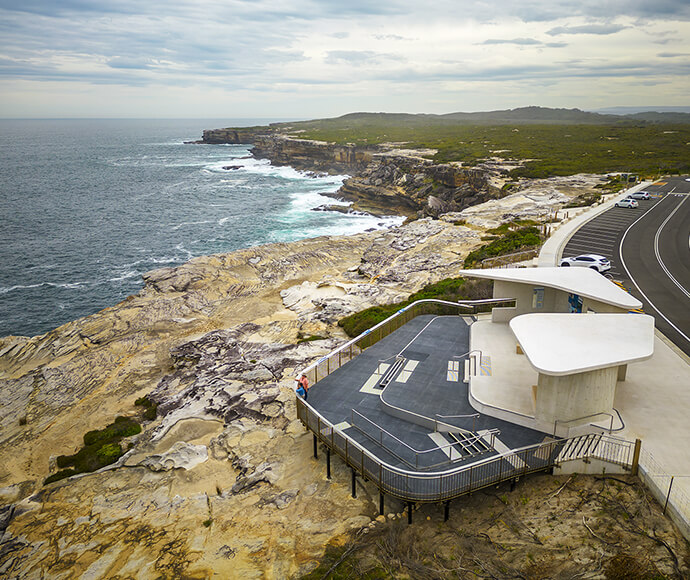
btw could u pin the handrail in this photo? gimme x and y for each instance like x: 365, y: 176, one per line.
x: 585, y: 417
x: 416, y: 452
x: 473, y: 416
x: 354, y: 342
x: 465, y: 478
x: 400, y: 471
x: 448, y: 483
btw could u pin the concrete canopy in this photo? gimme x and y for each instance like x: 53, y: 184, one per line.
x: 582, y: 281
x: 563, y: 344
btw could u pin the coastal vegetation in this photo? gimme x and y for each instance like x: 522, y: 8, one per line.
x: 554, y: 527
x: 101, y: 447
x: 506, y: 239
x: 450, y: 289
x: 548, y: 147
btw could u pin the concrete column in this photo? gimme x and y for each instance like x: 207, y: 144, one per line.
x: 622, y: 371
x: 569, y: 397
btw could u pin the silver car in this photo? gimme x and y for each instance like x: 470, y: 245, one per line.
x: 594, y: 261
x: 639, y: 195
x: 629, y: 203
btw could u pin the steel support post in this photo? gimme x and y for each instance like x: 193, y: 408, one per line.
x: 354, y: 483
x: 381, y: 503
x: 328, y: 463
x: 409, y: 512
x: 446, y: 510
x: 316, y: 451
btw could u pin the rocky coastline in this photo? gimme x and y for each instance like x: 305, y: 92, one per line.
x: 384, y: 179
x: 223, y: 480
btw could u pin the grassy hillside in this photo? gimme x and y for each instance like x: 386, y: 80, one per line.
x: 556, y: 141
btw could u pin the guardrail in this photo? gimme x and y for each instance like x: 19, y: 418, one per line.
x: 469, y: 476
x: 671, y: 491
x: 506, y: 260
x: 337, y: 358
x: 446, y: 485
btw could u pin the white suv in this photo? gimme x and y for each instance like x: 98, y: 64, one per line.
x: 594, y: 261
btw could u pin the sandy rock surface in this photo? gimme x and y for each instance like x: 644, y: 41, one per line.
x: 536, y: 199
x: 223, y: 481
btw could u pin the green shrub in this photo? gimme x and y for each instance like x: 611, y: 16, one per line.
x: 303, y: 338
x: 151, y: 408
x: 62, y: 474
x: 109, y: 453
x: 151, y: 413
x: 510, y: 242
x: 449, y: 289
x: 101, y: 448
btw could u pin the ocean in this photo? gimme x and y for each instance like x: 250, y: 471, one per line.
x: 88, y: 206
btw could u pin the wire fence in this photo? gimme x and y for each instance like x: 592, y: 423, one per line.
x: 671, y: 491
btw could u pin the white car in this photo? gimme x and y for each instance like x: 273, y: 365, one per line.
x: 639, y: 195
x: 630, y: 203
x: 594, y: 261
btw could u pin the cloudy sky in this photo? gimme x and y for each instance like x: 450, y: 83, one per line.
x: 317, y: 58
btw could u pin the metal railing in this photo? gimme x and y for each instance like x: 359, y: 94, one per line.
x: 506, y: 260
x: 466, y: 478
x: 337, y: 358
x: 565, y: 422
x: 456, y: 481
x: 671, y: 491
x: 445, y: 425
x: 382, y: 437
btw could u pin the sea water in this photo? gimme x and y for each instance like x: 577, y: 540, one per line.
x: 88, y: 206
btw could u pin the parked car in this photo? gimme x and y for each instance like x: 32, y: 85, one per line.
x: 630, y: 203
x: 594, y: 261
x: 639, y: 195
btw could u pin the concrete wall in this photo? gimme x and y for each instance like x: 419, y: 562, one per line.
x: 554, y: 301
x: 602, y: 307
x: 589, y: 467
x: 578, y: 395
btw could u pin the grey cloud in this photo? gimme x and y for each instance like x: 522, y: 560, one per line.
x: 520, y: 41
x: 129, y: 63
x: 539, y: 11
x: 556, y: 44
x: 599, y: 29
x: 358, y: 57
x: 672, y: 54
x: 390, y: 37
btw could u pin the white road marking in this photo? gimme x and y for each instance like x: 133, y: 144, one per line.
x: 656, y: 249
x: 620, y: 251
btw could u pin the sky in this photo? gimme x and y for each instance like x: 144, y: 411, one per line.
x: 302, y: 59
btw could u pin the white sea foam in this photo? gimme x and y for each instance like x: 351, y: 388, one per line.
x: 67, y: 285
x: 183, y: 224
x: 7, y: 290
x: 125, y: 276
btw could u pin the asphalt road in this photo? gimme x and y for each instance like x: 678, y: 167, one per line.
x: 649, y: 249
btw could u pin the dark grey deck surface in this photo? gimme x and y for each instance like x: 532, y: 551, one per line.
x: 427, y: 392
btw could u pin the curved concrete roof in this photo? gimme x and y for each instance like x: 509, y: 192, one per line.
x: 582, y: 281
x: 564, y: 344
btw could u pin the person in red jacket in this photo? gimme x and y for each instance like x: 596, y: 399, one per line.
x: 303, y: 385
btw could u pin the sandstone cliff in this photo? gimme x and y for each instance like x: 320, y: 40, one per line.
x: 385, y: 180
